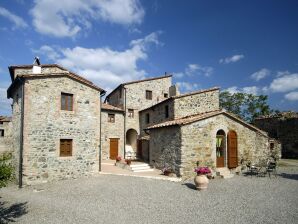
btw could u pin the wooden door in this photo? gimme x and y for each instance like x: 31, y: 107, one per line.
x: 113, y: 148
x: 220, y: 158
x: 232, y: 150
x: 139, y: 149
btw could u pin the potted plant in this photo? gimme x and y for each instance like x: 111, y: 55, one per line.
x: 201, y: 179
x: 118, y: 158
x: 128, y: 161
x: 166, y: 171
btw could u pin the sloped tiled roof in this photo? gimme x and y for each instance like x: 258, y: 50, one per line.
x: 201, y: 116
x: 5, y: 119
x: 106, y: 106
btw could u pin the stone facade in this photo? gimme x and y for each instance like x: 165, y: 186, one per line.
x: 284, y: 127
x: 200, y: 102
x: 183, y: 146
x: 132, y: 95
x: 5, y: 134
x: 112, y: 130
x: 45, y: 124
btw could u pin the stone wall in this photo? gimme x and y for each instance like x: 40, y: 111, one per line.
x: 45, y: 124
x: 165, y: 148
x: 199, y: 143
x: 112, y: 130
x: 16, y: 128
x: 284, y: 129
x: 6, y: 140
x: 24, y: 71
x: 156, y: 114
x: 196, y: 103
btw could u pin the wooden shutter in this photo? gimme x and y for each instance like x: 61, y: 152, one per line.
x: 65, y: 147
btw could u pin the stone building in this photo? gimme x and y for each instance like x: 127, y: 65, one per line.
x: 283, y: 127
x: 133, y: 97
x: 5, y: 134
x: 191, y: 128
x: 61, y: 129
x: 56, y: 123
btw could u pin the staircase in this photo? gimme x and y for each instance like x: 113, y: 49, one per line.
x: 140, y: 167
x: 224, y: 172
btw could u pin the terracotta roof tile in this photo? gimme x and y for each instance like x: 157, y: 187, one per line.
x: 202, y: 116
x: 106, y: 106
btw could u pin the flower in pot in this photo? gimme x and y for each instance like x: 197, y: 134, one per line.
x: 166, y: 171
x: 201, y: 179
x: 118, y: 158
x: 128, y: 161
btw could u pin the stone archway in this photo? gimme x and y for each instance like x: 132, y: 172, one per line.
x: 232, y: 150
x: 131, y: 143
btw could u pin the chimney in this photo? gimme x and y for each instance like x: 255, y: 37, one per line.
x: 174, y: 91
x: 36, y: 66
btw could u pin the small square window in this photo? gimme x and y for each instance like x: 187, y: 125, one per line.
x: 1, y: 132
x: 130, y: 113
x: 66, y: 101
x: 165, y: 95
x: 111, y: 118
x: 65, y: 147
x: 166, y: 111
x: 148, y: 94
x: 147, y: 118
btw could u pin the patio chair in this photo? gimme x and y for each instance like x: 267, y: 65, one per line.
x: 271, y: 168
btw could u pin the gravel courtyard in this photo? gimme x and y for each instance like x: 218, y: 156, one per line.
x: 120, y: 199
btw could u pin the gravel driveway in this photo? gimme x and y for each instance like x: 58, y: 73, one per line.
x: 120, y: 199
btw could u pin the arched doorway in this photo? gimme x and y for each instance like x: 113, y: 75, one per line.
x: 232, y: 150
x: 131, y: 143
x: 220, y: 148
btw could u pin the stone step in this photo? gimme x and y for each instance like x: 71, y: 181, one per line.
x: 139, y: 165
x: 224, y: 172
x: 228, y: 176
x: 140, y: 168
x: 145, y: 170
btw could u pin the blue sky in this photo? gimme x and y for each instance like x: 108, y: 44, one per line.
x: 241, y: 46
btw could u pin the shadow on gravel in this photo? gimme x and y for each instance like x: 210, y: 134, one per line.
x: 8, y: 214
x: 289, y: 176
x: 190, y: 185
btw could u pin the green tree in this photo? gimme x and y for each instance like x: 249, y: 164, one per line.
x: 246, y: 106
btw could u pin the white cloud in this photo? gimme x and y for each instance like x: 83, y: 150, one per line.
x: 292, y: 96
x: 285, y: 83
x: 231, y: 59
x: 104, y: 66
x: 260, y: 74
x: 50, y: 52
x: 249, y: 89
x: 18, y: 21
x: 195, y: 69
x: 68, y: 17
x: 187, y: 87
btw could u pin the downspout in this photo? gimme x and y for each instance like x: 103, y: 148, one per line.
x: 22, y: 136
x: 100, y: 119
x: 124, y: 137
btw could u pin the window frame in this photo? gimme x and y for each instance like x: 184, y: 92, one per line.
x: 65, y: 154
x: 66, y: 97
x: 111, y: 118
x: 130, y: 113
x: 147, y: 118
x: 166, y: 95
x: 166, y: 111
x: 148, y: 95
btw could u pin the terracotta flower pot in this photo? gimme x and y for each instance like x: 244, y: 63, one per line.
x: 201, y: 182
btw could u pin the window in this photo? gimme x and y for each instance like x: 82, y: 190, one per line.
x: 130, y: 113
x: 147, y: 118
x: 65, y: 147
x: 166, y: 111
x: 271, y: 146
x: 148, y: 94
x: 1, y: 122
x: 66, y: 101
x: 111, y: 118
x: 1, y: 132
x: 165, y: 95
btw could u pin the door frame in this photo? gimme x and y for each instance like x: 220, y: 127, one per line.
x: 230, y: 163
x: 114, y: 139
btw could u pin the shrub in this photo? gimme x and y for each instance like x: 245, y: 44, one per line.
x: 6, y: 169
